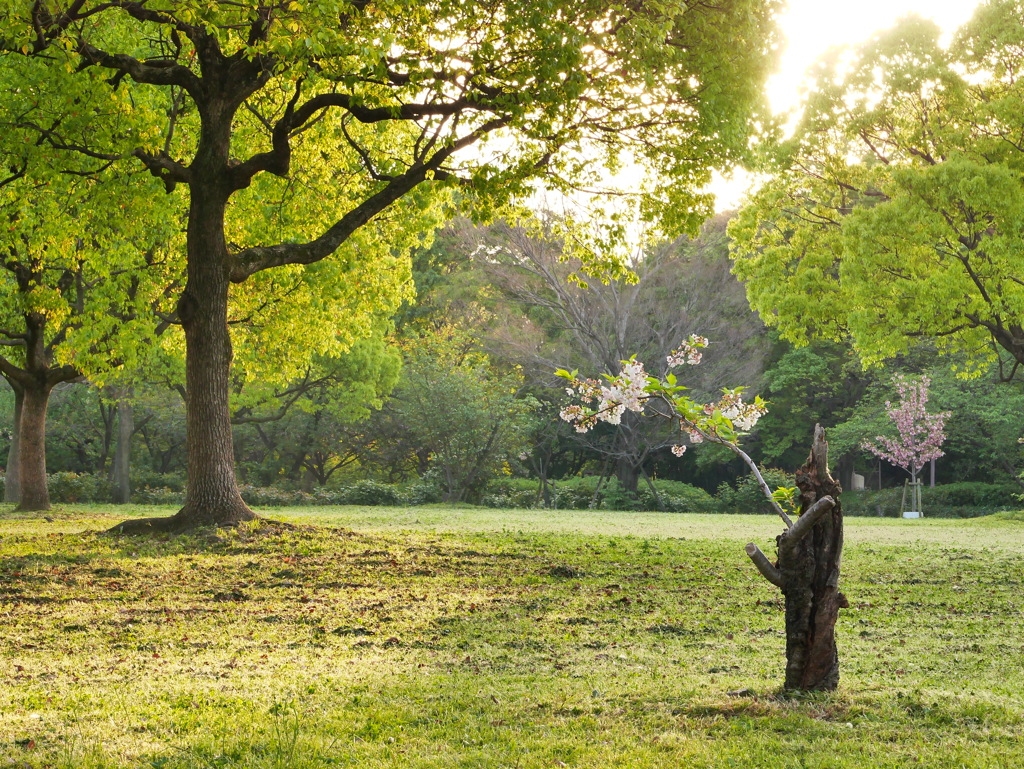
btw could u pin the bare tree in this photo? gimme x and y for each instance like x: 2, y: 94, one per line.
x: 680, y: 287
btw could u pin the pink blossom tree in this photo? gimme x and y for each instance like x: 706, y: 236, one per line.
x: 920, y: 433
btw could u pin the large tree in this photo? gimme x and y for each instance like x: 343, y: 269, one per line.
x: 896, y: 210
x: 385, y: 99
x: 81, y: 275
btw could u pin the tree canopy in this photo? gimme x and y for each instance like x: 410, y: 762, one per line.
x: 896, y: 210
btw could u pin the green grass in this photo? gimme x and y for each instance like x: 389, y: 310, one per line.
x: 433, y: 637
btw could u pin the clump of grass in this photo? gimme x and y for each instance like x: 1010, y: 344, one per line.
x: 306, y: 646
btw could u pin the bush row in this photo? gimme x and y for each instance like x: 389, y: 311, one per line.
x: 948, y: 500
x: 359, y: 493
x: 582, y: 493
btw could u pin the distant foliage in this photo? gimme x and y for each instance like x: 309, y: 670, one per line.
x: 370, y: 493
x: 746, y: 496
x: 951, y: 500
x: 579, y: 494
x: 677, y: 497
x: 79, y: 487
x: 161, y: 495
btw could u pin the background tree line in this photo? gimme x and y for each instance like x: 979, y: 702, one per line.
x: 456, y: 398
x: 321, y: 149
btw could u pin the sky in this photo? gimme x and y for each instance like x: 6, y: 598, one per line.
x: 812, y: 26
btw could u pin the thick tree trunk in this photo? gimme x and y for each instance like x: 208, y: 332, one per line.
x: 212, y: 497
x: 12, y: 479
x: 32, y: 450
x: 120, y: 472
x: 809, y: 568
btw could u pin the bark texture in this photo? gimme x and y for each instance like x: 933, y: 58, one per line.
x: 12, y: 478
x: 120, y: 472
x: 32, y: 450
x: 809, y: 558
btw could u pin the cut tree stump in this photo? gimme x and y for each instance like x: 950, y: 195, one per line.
x: 807, y: 572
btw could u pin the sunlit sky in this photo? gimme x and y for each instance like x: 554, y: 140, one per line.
x: 812, y: 26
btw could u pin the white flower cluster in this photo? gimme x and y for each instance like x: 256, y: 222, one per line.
x: 688, y: 352
x: 742, y: 415
x: 626, y: 391
x: 575, y: 414
x: 588, y: 391
x: 693, y: 434
x: 679, y: 450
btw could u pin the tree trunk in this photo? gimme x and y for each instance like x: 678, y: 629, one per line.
x: 122, y: 451
x: 654, y: 492
x: 108, y: 415
x: 212, y: 497
x: 32, y: 450
x: 628, y: 475
x: 809, y: 568
x: 12, y: 479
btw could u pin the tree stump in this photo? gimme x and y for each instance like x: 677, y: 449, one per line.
x: 807, y: 571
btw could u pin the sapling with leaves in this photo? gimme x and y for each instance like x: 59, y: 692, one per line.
x: 807, y: 569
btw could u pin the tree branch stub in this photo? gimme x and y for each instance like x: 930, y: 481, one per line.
x: 806, y: 522
x: 766, y: 567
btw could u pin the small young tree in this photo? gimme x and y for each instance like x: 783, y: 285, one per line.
x: 920, y: 433
x: 807, y: 569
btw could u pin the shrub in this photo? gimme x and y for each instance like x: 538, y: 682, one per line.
x: 990, y: 496
x: 747, y: 496
x: 78, y: 487
x: 142, y: 477
x: 614, y: 497
x: 370, y: 493
x: 518, y: 493
x: 678, y: 497
x: 158, y: 496
x: 270, y: 496
x: 424, y: 491
x: 576, y: 493
x: 949, y: 500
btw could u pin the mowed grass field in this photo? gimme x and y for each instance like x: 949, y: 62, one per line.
x: 434, y: 637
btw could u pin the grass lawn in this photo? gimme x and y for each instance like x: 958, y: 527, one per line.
x: 434, y: 637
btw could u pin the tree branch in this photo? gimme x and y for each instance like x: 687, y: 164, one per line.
x: 806, y: 522
x: 165, y: 168
x: 252, y: 260
x: 379, y: 114
x: 278, y: 160
x: 162, y: 72
x: 17, y: 172
x: 766, y: 567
